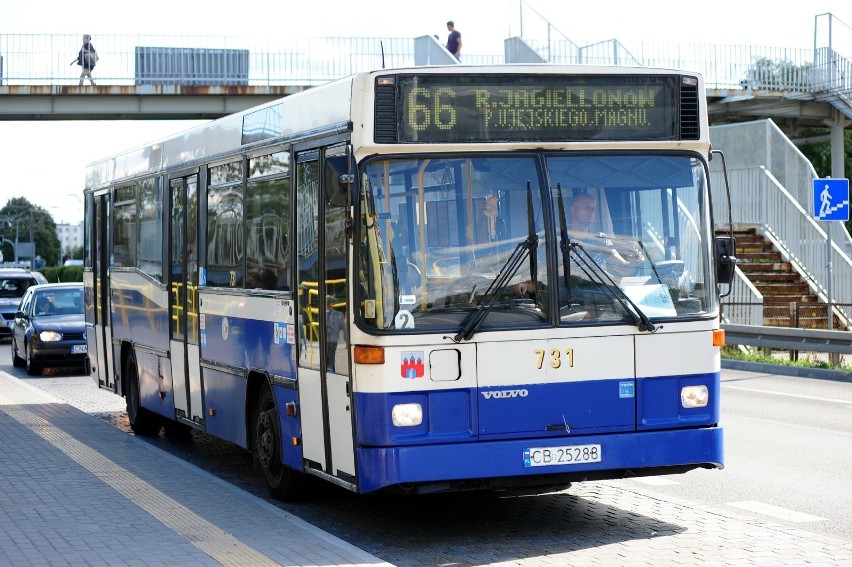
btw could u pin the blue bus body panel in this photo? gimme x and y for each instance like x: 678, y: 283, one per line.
x: 648, y: 429
x: 381, y: 467
x: 459, y: 415
x: 225, y: 400
x: 658, y: 400
x: 586, y: 406
x: 155, y: 387
x: 248, y: 343
x: 449, y: 417
x: 290, y: 427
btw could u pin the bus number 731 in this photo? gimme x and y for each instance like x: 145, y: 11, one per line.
x: 556, y: 360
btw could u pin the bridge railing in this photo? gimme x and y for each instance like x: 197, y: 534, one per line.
x: 43, y: 59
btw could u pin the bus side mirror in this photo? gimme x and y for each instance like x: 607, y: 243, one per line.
x: 725, y: 259
x: 338, y: 181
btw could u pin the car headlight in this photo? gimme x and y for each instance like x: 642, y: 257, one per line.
x: 49, y: 336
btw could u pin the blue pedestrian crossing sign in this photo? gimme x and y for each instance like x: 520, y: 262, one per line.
x: 831, y: 199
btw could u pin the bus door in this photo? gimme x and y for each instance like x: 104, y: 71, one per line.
x: 183, y: 298
x: 324, y: 388
x: 98, y: 332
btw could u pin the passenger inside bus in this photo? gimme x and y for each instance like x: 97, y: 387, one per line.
x: 581, y: 216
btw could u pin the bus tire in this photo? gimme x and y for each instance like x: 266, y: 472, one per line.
x: 142, y: 422
x: 282, y: 482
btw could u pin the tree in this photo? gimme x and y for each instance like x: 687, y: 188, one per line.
x: 779, y: 75
x: 75, y: 252
x: 21, y: 220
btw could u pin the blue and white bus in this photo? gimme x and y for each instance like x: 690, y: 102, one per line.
x: 383, y: 281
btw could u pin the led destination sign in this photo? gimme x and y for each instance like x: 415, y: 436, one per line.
x: 450, y: 108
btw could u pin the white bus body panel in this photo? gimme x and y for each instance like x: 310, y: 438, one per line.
x: 178, y: 363
x: 310, y: 412
x: 340, y: 422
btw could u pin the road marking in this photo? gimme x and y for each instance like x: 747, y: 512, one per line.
x: 775, y: 511
x: 655, y: 481
x: 773, y: 393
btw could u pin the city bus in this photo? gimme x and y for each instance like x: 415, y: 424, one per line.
x: 423, y: 279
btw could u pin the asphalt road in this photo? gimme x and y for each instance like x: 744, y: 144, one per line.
x: 788, y: 444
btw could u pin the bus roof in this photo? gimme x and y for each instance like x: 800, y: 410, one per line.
x: 311, y: 111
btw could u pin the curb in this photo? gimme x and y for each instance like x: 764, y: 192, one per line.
x: 786, y: 370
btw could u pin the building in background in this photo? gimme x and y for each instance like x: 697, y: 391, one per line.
x: 70, y: 238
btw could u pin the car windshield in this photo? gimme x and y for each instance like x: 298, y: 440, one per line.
x: 14, y: 287
x: 470, y: 243
x: 58, y: 302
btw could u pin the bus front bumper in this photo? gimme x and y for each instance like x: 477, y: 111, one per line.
x: 620, y: 455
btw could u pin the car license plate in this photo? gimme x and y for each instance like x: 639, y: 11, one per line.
x: 566, y: 455
x: 79, y: 349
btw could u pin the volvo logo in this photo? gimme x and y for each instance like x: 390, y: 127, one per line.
x: 505, y: 394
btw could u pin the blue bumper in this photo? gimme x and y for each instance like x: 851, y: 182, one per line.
x: 382, y: 467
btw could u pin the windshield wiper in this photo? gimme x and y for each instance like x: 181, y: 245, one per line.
x: 595, y: 272
x: 526, y: 248
x: 563, y: 245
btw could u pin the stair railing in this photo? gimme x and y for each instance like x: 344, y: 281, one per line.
x: 759, y: 200
x: 744, y: 305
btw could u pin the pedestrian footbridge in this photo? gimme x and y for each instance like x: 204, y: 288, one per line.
x: 760, y: 98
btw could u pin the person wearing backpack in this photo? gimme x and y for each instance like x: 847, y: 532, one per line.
x: 86, y: 58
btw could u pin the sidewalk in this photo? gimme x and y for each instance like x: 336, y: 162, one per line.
x: 77, y: 491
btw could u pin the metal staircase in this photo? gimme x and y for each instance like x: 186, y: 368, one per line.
x: 772, y: 197
x: 787, y: 299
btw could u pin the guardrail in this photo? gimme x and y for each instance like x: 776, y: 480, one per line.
x: 285, y: 60
x: 786, y: 338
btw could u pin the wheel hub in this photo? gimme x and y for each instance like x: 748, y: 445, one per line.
x: 265, y: 438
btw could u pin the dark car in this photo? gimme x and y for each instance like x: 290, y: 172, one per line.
x: 49, y: 328
x: 14, y: 282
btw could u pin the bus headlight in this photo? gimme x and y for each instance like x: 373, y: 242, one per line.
x: 694, y: 396
x: 407, y: 415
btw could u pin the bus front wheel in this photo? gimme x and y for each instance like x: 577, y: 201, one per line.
x: 282, y: 482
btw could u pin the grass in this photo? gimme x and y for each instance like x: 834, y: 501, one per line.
x: 733, y: 353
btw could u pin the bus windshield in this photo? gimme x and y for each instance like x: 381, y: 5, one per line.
x: 532, y: 240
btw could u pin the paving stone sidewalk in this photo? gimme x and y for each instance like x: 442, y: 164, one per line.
x: 78, y: 491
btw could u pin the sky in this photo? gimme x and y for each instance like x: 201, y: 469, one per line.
x: 484, y: 25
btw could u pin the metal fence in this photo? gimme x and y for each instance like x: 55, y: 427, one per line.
x: 43, y: 59
x: 794, y: 314
x: 822, y: 345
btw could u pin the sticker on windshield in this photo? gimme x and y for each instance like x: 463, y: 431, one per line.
x: 407, y: 299
x: 404, y: 319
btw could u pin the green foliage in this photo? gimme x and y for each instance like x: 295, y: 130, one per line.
x: 732, y: 352
x: 781, y: 75
x: 76, y: 252
x: 56, y: 274
x: 20, y: 218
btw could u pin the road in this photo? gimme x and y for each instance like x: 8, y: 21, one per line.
x: 783, y: 494
x: 788, y: 452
